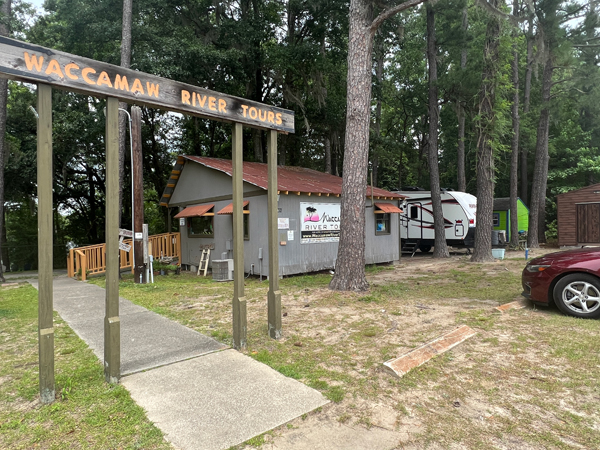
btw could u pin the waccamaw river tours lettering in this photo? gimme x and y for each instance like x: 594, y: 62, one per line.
x: 73, y: 71
x: 31, y: 63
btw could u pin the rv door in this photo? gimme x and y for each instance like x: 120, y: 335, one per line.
x: 414, y: 222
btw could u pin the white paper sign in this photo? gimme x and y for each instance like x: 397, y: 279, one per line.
x: 283, y: 223
x: 126, y: 233
x: 290, y: 235
x: 139, y: 235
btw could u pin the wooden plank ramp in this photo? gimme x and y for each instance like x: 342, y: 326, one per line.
x: 419, y: 356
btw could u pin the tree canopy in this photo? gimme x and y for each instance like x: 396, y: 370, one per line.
x: 294, y: 54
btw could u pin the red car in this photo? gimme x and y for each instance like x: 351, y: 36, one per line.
x: 571, y: 279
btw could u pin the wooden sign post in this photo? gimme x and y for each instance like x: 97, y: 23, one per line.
x: 49, y: 69
x: 45, y: 239
x: 112, y: 322
x: 274, y: 294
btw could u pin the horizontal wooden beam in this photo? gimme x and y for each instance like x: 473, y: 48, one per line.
x: 31, y: 63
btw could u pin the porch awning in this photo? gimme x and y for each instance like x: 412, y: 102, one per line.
x: 388, y: 208
x: 195, y: 211
x: 229, y: 208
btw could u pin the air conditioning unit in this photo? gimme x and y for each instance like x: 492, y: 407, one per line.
x: 222, y: 269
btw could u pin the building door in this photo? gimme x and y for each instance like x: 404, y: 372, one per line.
x: 588, y: 223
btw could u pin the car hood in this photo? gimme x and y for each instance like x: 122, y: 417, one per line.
x: 578, y: 254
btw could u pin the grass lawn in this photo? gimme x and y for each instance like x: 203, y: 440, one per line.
x: 87, y: 413
x: 528, y: 380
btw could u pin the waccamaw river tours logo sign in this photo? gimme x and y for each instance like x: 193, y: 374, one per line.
x: 320, y: 222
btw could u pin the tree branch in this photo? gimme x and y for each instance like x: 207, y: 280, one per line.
x: 496, y: 12
x: 386, y: 14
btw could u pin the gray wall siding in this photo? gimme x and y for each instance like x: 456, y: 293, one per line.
x: 223, y: 225
x: 385, y: 247
x: 295, y: 257
x: 197, y: 182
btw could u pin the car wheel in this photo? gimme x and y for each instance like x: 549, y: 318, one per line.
x: 425, y: 248
x: 578, y: 295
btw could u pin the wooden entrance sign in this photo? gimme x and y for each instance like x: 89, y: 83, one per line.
x: 33, y: 63
x: 49, y: 68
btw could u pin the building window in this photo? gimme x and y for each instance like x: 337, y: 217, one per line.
x: 496, y: 220
x: 382, y: 224
x: 246, y: 226
x: 201, y: 226
x: 246, y: 219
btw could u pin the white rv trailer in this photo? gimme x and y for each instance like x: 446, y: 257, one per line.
x: 416, y: 225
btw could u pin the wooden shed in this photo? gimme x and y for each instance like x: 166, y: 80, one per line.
x: 502, y: 215
x: 308, y: 215
x: 578, y: 216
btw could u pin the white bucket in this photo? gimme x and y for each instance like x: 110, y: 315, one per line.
x: 498, y: 253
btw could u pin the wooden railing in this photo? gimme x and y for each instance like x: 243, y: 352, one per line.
x: 91, y: 260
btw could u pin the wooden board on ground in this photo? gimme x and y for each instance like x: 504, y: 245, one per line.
x: 402, y: 365
x: 519, y: 304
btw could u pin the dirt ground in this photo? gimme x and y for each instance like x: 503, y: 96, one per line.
x: 508, y: 387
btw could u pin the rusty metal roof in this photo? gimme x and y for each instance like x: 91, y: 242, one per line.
x: 290, y: 180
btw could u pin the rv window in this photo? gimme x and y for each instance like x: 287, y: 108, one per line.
x: 496, y: 222
x: 414, y: 212
x: 201, y: 226
x: 382, y: 224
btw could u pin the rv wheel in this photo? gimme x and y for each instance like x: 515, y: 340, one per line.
x: 425, y: 248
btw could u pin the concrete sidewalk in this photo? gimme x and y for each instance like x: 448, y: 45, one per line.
x: 201, y: 394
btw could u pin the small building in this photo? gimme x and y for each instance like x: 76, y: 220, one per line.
x: 578, y: 216
x: 502, y: 215
x: 308, y: 216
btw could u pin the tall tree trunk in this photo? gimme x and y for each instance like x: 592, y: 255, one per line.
x: 5, y: 11
x: 485, y: 159
x: 379, y: 56
x: 4, y: 253
x: 400, y: 167
x: 526, y: 103
x: 123, y: 119
x: 350, y: 264
x: 327, y: 154
x: 257, y: 143
x: 461, y: 177
x: 540, y: 170
x: 440, y: 248
x: 514, y: 160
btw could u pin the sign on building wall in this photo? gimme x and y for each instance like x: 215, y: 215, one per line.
x: 320, y: 222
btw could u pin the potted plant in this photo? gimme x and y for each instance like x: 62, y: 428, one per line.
x: 159, y: 268
x: 172, y: 268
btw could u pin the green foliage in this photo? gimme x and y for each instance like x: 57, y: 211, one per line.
x: 294, y: 55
